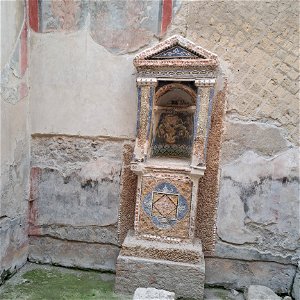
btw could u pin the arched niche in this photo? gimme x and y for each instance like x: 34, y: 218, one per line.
x: 173, y: 122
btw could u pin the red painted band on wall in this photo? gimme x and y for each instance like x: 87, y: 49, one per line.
x: 167, y: 10
x: 33, y: 11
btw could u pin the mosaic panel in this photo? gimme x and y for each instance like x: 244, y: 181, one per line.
x: 173, y: 134
x: 165, y: 205
x: 175, y: 52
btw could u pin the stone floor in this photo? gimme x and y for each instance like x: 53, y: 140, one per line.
x: 43, y: 282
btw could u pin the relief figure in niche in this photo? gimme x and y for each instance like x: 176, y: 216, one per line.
x: 173, y: 134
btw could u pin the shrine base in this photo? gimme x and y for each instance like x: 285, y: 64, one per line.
x: 184, y: 278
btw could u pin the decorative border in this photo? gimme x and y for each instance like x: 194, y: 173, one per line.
x: 146, y: 82
x: 205, y: 82
x: 175, y: 73
x: 144, y: 58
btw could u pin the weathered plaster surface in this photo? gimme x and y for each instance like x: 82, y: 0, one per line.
x: 239, y: 136
x: 125, y: 26
x: 12, y: 16
x: 14, y: 244
x: 14, y: 139
x: 74, y: 200
x: 80, y: 88
x: 262, y: 194
x: 62, y: 15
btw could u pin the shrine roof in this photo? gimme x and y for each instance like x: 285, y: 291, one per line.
x: 175, y: 51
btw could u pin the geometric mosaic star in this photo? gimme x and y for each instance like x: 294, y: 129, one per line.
x: 164, y: 205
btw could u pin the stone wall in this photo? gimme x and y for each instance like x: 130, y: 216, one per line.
x: 14, y: 139
x: 83, y: 114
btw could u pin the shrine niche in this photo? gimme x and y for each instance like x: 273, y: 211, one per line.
x: 173, y: 124
x: 175, y: 88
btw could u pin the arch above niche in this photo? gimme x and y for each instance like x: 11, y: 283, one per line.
x: 183, y: 94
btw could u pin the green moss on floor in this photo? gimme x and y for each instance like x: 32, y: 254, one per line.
x: 57, y: 283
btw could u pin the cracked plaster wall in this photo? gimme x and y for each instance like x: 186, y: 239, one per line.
x: 15, y: 161
x: 83, y: 85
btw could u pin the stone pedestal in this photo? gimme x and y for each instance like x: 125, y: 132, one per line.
x: 179, y: 268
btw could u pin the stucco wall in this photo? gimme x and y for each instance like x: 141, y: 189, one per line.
x: 14, y: 139
x: 83, y: 88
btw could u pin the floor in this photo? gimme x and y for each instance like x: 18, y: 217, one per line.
x: 44, y: 282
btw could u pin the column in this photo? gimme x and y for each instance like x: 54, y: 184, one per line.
x: 146, y: 92
x: 202, y: 120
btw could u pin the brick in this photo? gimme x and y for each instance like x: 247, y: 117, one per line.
x: 291, y: 60
x: 280, y: 91
x: 290, y: 85
x: 255, y: 89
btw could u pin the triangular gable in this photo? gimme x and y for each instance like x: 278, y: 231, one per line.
x: 176, y: 52
x: 176, y: 47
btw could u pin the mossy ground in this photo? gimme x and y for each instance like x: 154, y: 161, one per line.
x: 44, y: 282
x: 36, y: 282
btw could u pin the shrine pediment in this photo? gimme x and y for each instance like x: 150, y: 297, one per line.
x: 176, y: 51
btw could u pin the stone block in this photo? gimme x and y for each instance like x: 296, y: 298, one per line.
x: 63, y: 198
x: 152, y: 293
x: 221, y: 294
x: 239, y: 274
x: 153, y: 249
x: 90, y: 234
x: 260, y: 292
x: 152, y: 263
x: 296, y: 286
x: 73, y: 254
x: 184, y: 279
x: 232, y: 251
